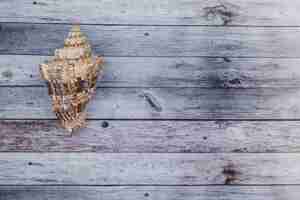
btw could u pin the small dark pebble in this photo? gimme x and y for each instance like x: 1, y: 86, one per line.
x: 29, y: 163
x: 34, y: 3
x: 146, y: 34
x: 146, y: 194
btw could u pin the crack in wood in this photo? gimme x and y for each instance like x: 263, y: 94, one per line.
x: 35, y: 164
x: 39, y: 3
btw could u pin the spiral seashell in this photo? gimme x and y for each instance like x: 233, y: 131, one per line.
x: 71, y: 78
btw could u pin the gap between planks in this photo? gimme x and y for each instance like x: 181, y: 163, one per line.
x: 149, y: 192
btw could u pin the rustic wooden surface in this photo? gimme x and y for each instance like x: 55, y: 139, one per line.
x: 113, y: 136
x: 20, y: 70
x: 149, y: 169
x: 158, y: 12
x: 42, y: 39
x: 161, y: 103
x: 199, y: 100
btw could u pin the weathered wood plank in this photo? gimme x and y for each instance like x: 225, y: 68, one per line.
x: 115, y: 136
x: 160, y: 12
x: 42, y: 39
x: 20, y: 70
x: 148, y: 169
x: 149, y: 192
x: 161, y: 103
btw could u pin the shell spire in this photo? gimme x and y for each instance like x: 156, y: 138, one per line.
x: 71, y: 78
x: 75, y: 28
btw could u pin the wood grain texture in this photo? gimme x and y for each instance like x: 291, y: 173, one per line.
x: 22, y: 70
x: 42, y: 39
x: 114, y: 136
x: 160, y: 12
x: 148, y: 169
x: 149, y: 192
x: 161, y: 103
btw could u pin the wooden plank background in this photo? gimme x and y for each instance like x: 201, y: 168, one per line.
x: 152, y: 136
x: 173, y: 41
x: 161, y: 103
x: 163, y: 12
x: 149, y: 169
x: 204, y: 72
x: 199, y: 100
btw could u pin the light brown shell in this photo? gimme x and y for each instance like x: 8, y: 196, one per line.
x: 71, y: 78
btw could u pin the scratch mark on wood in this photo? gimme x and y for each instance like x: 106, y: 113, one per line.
x: 51, y: 19
x: 153, y: 102
x: 39, y: 3
x: 35, y: 164
x: 45, y: 180
x: 223, y: 124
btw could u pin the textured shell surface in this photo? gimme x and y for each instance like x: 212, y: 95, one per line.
x: 71, y: 76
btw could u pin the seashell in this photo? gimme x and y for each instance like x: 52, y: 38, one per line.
x: 71, y: 78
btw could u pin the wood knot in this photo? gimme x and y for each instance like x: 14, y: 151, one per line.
x: 146, y: 194
x: 230, y: 173
x: 228, y: 79
x: 7, y: 74
x: 226, y: 59
x: 105, y: 124
x: 235, y: 81
x: 219, y: 11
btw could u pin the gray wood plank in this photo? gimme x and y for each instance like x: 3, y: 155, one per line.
x: 114, y: 136
x: 148, y: 169
x: 149, y: 192
x: 20, y: 70
x: 161, y: 103
x: 42, y: 39
x: 175, y: 12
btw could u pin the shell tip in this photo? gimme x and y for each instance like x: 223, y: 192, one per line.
x: 76, y: 24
